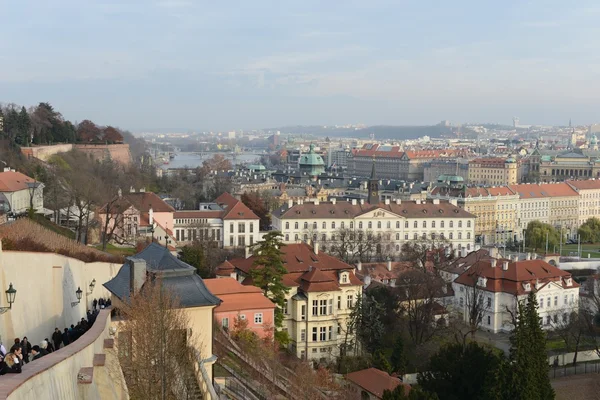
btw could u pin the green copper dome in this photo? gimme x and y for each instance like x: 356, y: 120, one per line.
x: 311, y: 163
x: 594, y: 140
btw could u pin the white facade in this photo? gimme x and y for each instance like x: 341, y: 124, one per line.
x: 240, y: 232
x: 19, y: 200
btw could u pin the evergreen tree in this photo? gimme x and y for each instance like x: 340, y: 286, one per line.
x: 194, y: 255
x: 268, y: 271
x: 525, y: 376
x: 23, y: 127
x: 381, y: 362
x: 398, y: 358
x: 461, y: 372
x: 415, y: 394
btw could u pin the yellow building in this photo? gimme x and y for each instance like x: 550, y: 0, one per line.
x: 589, y: 199
x: 493, y: 171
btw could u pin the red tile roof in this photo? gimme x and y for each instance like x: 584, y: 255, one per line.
x: 299, y: 259
x: 236, y: 296
x: 375, y: 381
x: 144, y: 200
x: 12, y: 181
x: 530, y: 191
x: 518, y: 273
x: 585, y: 185
x: 345, y: 209
x: 234, y: 208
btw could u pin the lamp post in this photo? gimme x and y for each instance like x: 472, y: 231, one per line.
x: 11, y: 293
x: 78, y: 293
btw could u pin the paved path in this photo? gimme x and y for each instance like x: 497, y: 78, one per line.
x: 577, y: 387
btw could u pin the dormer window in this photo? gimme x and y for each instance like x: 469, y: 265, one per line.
x: 527, y: 287
x: 344, y: 277
x: 481, y: 281
x: 568, y: 281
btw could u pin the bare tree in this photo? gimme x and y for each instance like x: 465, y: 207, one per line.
x: 154, y: 349
x: 424, y: 249
x: 571, y: 325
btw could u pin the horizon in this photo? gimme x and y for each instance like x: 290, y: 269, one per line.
x: 179, y: 65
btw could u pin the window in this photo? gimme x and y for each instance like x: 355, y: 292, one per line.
x: 342, y: 224
x: 314, y: 335
x: 489, y: 302
x: 243, y: 317
x: 287, y: 225
x: 451, y: 236
x: 451, y: 224
x: 461, y: 301
x: 351, y: 224
x: 489, y: 320
x: 424, y: 224
x: 460, y: 224
x: 565, y: 299
x: 225, y: 322
x: 330, y: 304
x: 285, y: 307
x: 344, y: 278
x: 542, y: 303
x: 333, y: 225
x: 241, y: 241
x: 397, y: 224
x: 339, y: 330
x: 433, y: 224
x: 397, y: 236
x: 360, y: 225
x: 258, y: 318
x: 468, y: 224
x: 339, y: 302
x: 324, y: 239
x: 296, y: 237
x: 555, y: 318
x: 295, y: 225
x: 251, y: 227
x: 555, y: 300
x: 565, y: 317
x: 303, y: 311
x: 548, y: 320
x: 468, y: 236
x: 287, y: 237
x: 315, y: 307
x: 306, y: 225
x: 441, y: 224
x: 231, y: 241
x: 415, y: 236
x: 324, y: 225
x: 323, y: 307
x: 314, y: 225
x: 389, y: 224
x: 370, y: 225
x: 415, y: 224
x: 406, y: 224
x: 323, y: 333
x: 350, y: 301
x: 549, y: 302
x: 572, y: 298
x: 302, y: 335
x: 378, y: 224
x: 330, y: 336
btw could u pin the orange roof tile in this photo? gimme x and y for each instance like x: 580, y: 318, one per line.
x: 585, y: 185
x: 236, y: 296
x: 375, y: 381
x: 12, y: 181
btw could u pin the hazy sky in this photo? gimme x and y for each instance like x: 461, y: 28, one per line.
x: 192, y: 64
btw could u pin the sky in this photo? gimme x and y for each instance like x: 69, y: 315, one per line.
x: 222, y: 65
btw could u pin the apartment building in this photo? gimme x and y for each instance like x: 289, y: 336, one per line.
x: 503, y: 282
x: 493, y: 171
x: 323, y: 292
x: 588, y: 198
x: 227, y: 221
x: 18, y: 193
x: 396, y: 221
x: 534, y: 205
x: 564, y: 208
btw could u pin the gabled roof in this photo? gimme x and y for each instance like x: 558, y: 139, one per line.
x: 12, y: 181
x: 375, y: 381
x: 236, y: 296
x: 516, y: 276
x: 234, y: 208
x: 177, y: 276
x: 141, y: 201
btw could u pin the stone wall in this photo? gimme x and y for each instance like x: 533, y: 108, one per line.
x: 46, y: 285
x: 86, y: 369
x: 117, y: 152
x: 45, y: 152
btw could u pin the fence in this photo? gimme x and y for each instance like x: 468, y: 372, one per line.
x: 586, y: 367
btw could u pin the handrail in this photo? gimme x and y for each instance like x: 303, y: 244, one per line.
x: 11, y: 382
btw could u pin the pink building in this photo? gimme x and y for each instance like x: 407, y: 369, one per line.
x: 246, y: 302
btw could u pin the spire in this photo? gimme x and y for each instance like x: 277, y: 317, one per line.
x: 373, y: 176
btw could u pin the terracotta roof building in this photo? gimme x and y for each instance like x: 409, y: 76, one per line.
x: 244, y: 302
x: 16, y: 191
x: 502, y: 282
x: 323, y: 291
x: 372, y: 382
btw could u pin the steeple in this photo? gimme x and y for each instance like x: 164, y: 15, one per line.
x: 373, y: 187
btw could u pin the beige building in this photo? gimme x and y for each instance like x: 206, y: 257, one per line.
x: 493, y: 171
x: 589, y: 199
x: 534, y: 205
x: 564, y: 207
x: 573, y: 165
x: 323, y: 292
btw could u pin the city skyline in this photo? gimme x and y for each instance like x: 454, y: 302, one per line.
x: 186, y: 65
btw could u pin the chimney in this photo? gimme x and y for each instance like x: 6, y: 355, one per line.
x: 333, y: 200
x: 150, y: 215
x: 362, y: 201
x: 290, y: 203
x: 142, y: 190
x: 131, y: 189
x: 417, y: 201
x: 505, y: 265
x: 398, y: 201
x: 436, y: 201
x: 528, y: 256
x: 389, y: 264
x: 316, y: 248
x: 353, y: 202
x: 456, y: 253
x: 453, y: 202
x: 359, y: 265
x: 120, y: 193
x: 247, y: 252
x: 6, y: 169
x: 316, y: 202
x: 463, y: 252
x: 387, y: 202
x: 137, y: 274
x: 493, y: 262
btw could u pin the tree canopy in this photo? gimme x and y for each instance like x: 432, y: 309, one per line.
x: 590, y: 230
x: 537, y: 232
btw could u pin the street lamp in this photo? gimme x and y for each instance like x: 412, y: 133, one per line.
x: 11, y: 293
x: 92, y: 286
x: 78, y: 293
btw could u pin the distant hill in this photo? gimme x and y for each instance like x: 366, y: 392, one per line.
x: 380, y: 131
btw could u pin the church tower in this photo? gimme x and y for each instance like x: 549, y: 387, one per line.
x: 373, y: 187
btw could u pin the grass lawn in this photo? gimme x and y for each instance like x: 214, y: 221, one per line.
x: 46, y: 223
x: 592, y: 249
x: 118, y: 251
x: 555, y: 344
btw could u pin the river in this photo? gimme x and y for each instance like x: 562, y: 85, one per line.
x: 193, y: 160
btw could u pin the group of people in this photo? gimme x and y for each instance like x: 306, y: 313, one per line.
x: 22, y: 352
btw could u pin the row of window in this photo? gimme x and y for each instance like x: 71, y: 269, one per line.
x: 387, y: 237
x: 325, y: 306
x: 258, y: 319
x: 241, y: 242
x: 549, y: 301
x: 241, y: 227
x: 319, y: 334
x: 379, y: 225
